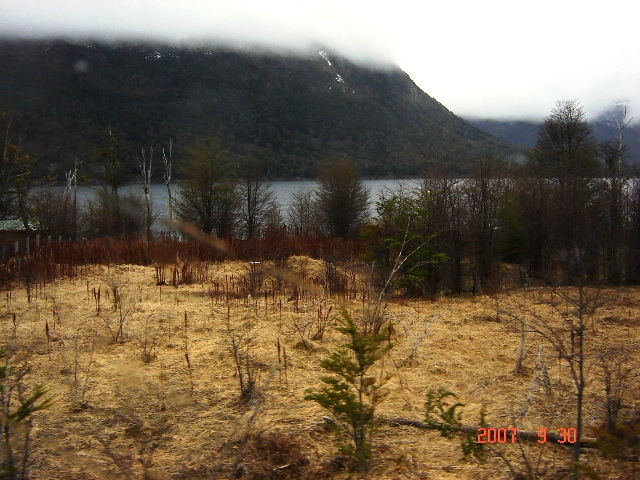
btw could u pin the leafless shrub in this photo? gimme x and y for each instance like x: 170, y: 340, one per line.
x: 111, y: 214
x: 275, y: 455
x: 619, y: 435
x: 54, y: 212
x: 416, y: 333
x: 80, y: 383
x: 335, y: 280
x: 303, y: 326
x: 240, y: 341
x: 323, y: 320
x: 123, y: 307
x: 152, y: 335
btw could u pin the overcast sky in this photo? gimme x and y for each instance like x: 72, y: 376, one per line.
x: 500, y: 59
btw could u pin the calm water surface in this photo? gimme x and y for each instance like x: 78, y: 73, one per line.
x: 283, y: 191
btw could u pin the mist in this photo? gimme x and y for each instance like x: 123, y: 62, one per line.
x: 494, y: 59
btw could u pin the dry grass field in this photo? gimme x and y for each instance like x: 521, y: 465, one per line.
x: 144, y: 383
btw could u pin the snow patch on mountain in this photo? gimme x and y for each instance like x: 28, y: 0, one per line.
x: 324, y: 55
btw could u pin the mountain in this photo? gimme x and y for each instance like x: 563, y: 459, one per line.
x: 519, y: 132
x: 525, y: 133
x: 290, y: 111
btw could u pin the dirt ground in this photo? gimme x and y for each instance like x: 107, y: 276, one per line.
x: 159, y: 398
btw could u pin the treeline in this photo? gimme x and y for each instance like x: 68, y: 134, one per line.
x: 216, y: 196
x: 570, y: 213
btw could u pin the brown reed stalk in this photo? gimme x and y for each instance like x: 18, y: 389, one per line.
x: 284, y: 354
x: 186, y: 349
x: 266, y: 301
x: 85, y: 386
x: 186, y: 356
x: 279, y: 347
x: 56, y: 315
x: 96, y: 297
x: 46, y: 327
x: 186, y: 331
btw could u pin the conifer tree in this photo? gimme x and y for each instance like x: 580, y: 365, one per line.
x: 351, y: 393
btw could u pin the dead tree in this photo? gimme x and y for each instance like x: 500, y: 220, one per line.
x: 168, y: 161
x: 146, y: 184
x: 568, y: 339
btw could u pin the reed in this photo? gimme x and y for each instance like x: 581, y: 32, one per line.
x: 75, y: 258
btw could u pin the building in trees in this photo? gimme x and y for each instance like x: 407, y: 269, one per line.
x: 342, y: 200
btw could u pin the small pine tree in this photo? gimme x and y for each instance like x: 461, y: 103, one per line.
x: 351, y: 395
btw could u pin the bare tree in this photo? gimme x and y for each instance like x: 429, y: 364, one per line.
x: 109, y: 155
x: 568, y: 339
x: 256, y: 196
x: 9, y: 154
x: 485, y: 192
x: 145, y: 169
x: 209, y: 194
x: 448, y: 218
x: 300, y: 212
x: 613, y: 152
x: 342, y: 199
x: 72, y: 185
x: 168, y: 164
x: 566, y: 155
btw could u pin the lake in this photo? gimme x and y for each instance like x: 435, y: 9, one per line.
x: 283, y: 191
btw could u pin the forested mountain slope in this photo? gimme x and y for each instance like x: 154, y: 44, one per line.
x: 290, y: 111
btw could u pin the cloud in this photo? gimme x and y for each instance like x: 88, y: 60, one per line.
x: 290, y: 26
x: 493, y: 58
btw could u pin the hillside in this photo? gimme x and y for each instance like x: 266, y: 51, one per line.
x: 525, y: 133
x: 290, y: 111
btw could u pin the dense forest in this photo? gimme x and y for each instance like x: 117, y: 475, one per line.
x: 291, y: 112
